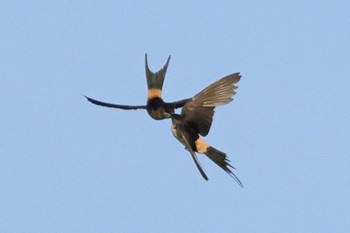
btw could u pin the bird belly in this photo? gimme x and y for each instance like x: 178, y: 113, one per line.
x: 173, y: 131
x: 178, y: 137
x: 157, y: 114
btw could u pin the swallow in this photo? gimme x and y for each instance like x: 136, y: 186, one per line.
x: 196, y: 118
x: 155, y: 106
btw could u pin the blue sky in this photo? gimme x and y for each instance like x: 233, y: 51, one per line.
x: 69, y: 166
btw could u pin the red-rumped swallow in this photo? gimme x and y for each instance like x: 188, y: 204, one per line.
x: 196, y: 118
x: 156, y: 107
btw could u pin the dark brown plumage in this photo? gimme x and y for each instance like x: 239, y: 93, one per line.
x: 156, y: 107
x: 196, y: 118
x: 196, y: 115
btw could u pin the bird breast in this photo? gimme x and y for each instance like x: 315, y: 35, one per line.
x: 173, y: 130
x: 177, y: 135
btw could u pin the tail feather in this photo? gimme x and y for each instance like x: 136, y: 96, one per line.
x: 155, y: 80
x: 222, y: 161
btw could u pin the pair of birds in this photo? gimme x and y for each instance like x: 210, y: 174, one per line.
x: 196, y: 115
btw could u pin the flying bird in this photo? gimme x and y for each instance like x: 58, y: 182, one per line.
x: 196, y: 118
x: 196, y: 115
x: 155, y: 106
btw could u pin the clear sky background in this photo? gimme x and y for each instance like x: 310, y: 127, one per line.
x: 69, y: 166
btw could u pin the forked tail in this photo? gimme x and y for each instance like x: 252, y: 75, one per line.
x: 155, y: 80
x: 222, y: 161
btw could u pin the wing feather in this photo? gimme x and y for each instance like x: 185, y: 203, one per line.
x: 199, y: 111
x: 194, y: 157
x: 109, y: 105
x: 187, y: 137
x: 218, y: 93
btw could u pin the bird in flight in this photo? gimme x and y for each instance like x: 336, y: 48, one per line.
x: 196, y: 115
x: 196, y: 118
x: 155, y: 106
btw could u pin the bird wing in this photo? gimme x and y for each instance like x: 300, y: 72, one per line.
x: 180, y: 103
x: 186, y: 139
x: 199, y: 118
x: 125, y: 107
x: 218, y: 93
x: 199, y: 111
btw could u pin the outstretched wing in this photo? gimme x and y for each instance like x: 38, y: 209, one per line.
x: 218, y: 93
x: 199, y: 118
x: 199, y: 111
x: 180, y: 103
x: 104, y: 104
